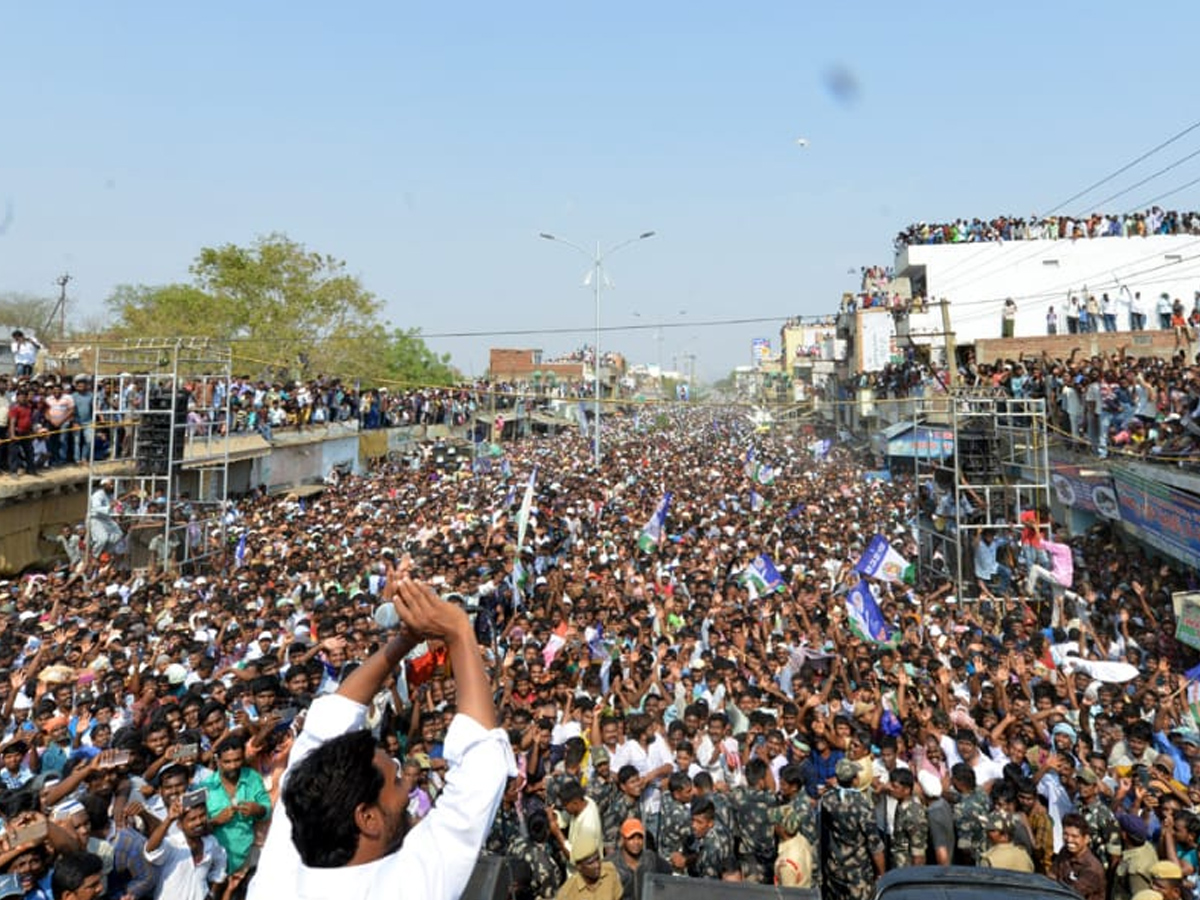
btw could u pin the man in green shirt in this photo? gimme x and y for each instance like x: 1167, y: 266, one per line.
x: 237, y: 799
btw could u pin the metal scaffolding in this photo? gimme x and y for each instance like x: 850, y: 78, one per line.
x: 159, y: 432
x: 985, y: 461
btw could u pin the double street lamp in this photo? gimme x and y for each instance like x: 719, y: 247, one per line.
x: 596, y: 275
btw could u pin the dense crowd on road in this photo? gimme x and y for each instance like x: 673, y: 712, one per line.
x: 1152, y: 221
x: 700, y: 684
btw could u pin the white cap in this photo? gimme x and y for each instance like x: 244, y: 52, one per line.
x: 931, y: 785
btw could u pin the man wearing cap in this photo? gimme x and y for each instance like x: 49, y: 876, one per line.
x: 594, y: 878
x: 794, y: 865
x: 1166, y: 877
x: 1003, y: 853
x: 1133, y: 872
x: 632, y: 858
x: 1104, y: 835
x: 850, y: 842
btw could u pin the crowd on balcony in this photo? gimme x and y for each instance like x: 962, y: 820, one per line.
x: 1153, y: 221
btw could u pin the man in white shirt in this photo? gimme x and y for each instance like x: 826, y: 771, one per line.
x: 344, y: 834
x: 189, y: 860
x: 24, y: 350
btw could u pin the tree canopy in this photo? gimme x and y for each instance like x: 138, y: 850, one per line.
x: 286, y: 310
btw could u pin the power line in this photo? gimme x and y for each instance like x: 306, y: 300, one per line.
x: 1125, y: 168
x: 817, y: 321
x: 1162, y: 171
x: 1165, y: 194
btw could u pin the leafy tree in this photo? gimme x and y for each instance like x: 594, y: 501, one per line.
x: 27, y: 311
x: 288, y: 311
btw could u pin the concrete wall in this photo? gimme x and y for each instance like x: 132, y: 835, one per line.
x: 1136, y: 344
x: 976, y: 278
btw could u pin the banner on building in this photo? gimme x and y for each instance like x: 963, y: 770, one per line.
x: 1163, y: 516
x: 1083, y: 488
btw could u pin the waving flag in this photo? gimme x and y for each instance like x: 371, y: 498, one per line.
x: 821, y: 449
x: 655, y: 529
x: 761, y: 576
x: 239, y: 554
x: 526, y: 505
x: 883, y: 562
x: 866, y: 619
x: 756, y: 501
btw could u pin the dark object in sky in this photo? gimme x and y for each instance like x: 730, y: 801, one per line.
x: 842, y: 84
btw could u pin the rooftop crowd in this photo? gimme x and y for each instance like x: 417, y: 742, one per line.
x: 665, y: 710
x: 1141, y: 406
x: 1153, y: 221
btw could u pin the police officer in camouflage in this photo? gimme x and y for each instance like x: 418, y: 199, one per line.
x: 851, y: 850
x: 507, y: 824
x: 910, y: 827
x: 755, y: 834
x: 791, y: 790
x: 675, y: 823
x: 623, y: 803
x: 534, y: 851
x: 1104, y: 833
x: 971, y: 814
x: 714, y: 856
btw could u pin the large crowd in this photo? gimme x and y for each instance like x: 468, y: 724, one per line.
x: 1152, y: 221
x: 689, y: 671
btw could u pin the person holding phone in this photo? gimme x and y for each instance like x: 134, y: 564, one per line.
x: 344, y: 829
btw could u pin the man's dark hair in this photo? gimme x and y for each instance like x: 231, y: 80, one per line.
x: 902, y: 777
x: 322, y: 793
x: 538, y: 826
x: 71, y: 870
x: 756, y: 771
x: 963, y: 774
x: 97, y: 811
x: 229, y: 742
x: 574, y: 750
x: 792, y: 774
x: 571, y: 791
x: 678, y: 781
x: 1075, y: 820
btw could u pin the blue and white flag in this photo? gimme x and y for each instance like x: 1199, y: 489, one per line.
x: 821, y: 449
x: 880, y: 560
x: 866, y: 619
x: 581, y: 414
x: 756, y: 501
x: 761, y: 576
x: 656, y: 528
x: 239, y: 554
x: 764, y: 474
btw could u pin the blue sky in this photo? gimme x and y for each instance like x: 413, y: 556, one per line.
x: 428, y: 145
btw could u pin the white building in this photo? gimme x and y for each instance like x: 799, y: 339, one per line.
x: 977, y: 278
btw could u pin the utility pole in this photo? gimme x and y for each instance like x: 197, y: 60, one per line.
x: 60, y: 308
x: 62, y: 282
x: 948, y: 337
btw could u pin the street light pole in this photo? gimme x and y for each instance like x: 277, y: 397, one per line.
x: 597, y: 273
